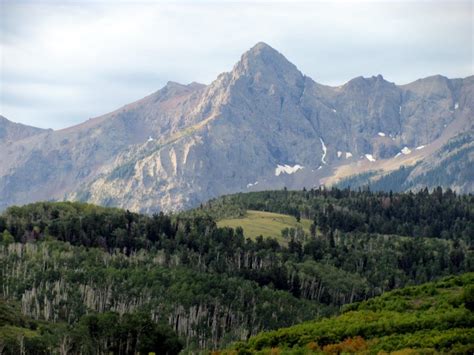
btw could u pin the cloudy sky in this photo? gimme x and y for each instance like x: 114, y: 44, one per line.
x: 63, y: 62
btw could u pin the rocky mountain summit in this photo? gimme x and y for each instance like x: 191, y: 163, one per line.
x: 264, y: 125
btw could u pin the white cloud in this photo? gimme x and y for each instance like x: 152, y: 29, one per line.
x: 63, y: 56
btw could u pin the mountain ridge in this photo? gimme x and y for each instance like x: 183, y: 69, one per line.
x: 185, y: 144
x: 11, y: 131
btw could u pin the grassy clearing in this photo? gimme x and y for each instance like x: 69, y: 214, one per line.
x: 266, y: 224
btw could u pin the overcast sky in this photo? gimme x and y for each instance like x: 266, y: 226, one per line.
x: 63, y: 62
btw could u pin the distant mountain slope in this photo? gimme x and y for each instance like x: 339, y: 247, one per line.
x: 434, y: 317
x: 51, y: 165
x: 452, y: 166
x: 264, y: 125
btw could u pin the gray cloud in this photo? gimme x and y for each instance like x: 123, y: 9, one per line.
x: 66, y: 61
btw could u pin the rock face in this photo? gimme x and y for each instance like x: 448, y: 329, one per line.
x: 263, y: 125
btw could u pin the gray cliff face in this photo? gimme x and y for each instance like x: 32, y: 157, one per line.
x: 263, y: 125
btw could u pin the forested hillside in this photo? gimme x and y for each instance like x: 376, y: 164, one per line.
x: 61, y: 262
x: 94, y: 333
x: 435, y: 214
x: 59, y: 283
x: 436, y: 317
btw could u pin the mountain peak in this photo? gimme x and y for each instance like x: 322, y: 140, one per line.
x: 264, y: 52
x: 261, y: 47
x: 263, y: 60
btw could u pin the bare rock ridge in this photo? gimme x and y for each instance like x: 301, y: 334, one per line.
x: 264, y: 125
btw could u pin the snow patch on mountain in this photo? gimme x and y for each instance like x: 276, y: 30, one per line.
x: 287, y: 169
x: 251, y: 184
x: 325, y: 150
x: 370, y: 157
x: 381, y: 134
x: 406, y: 150
x: 348, y: 155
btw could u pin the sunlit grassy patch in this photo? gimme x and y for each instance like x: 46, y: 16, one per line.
x: 266, y: 224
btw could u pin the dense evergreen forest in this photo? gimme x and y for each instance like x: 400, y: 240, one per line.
x: 70, y: 264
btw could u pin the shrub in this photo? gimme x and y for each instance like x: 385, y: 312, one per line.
x: 468, y: 297
x: 350, y: 345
